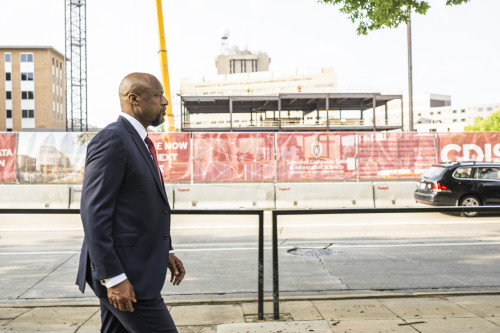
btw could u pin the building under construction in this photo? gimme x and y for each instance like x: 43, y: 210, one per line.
x: 288, y: 112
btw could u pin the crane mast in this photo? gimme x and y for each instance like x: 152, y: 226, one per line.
x: 164, y: 67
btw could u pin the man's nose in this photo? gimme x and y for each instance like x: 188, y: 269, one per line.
x: 164, y: 100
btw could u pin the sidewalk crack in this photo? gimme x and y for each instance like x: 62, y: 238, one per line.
x: 83, y: 324
x: 43, y: 278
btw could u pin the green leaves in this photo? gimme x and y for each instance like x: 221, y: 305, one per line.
x: 379, y: 14
x: 492, y: 123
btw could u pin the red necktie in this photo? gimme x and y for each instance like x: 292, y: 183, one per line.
x: 152, y: 151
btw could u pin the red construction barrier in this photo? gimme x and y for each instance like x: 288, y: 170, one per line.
x: 174, y: 155
x: 8, y: 157
x: 395, y: 155
x: 316, y: 156
x: 233, y: 157
x: 469, y: 146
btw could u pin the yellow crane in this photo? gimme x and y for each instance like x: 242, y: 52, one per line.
x: 164, y: 67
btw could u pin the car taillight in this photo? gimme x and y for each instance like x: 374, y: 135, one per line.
x: 438, y: 187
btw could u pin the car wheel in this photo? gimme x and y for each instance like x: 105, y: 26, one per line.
x: 470, y: 200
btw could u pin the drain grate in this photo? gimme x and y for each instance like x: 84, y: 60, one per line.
x: 311, y: 252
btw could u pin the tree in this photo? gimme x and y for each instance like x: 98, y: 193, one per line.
x: 491, y: 123
x: 378, y: 14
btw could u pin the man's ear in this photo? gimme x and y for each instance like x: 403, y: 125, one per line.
x: 132, y: 98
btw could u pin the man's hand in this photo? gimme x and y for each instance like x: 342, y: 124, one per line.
x: 176, y: 269
x: 122, y: 296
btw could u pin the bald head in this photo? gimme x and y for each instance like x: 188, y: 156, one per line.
x: 141, y: 96
x: 136, y: 83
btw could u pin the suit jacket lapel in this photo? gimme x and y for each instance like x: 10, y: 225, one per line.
x: 145, y: 154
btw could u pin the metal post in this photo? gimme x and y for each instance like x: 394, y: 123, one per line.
x: 327, y: 107
x: 276, y: 288
x: 374, y: 104
x: 410, y: 79
x: 279, y: 113
x: 191, y: 152
x: 231, y: 113
x: 402, y: 114
x: 260, y: 300
x: 386, y: 116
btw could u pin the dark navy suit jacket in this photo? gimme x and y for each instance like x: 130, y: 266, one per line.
x: 125, y: 214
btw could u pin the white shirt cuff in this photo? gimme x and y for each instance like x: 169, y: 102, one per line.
x: 111, y: 282
x: 171, y: 251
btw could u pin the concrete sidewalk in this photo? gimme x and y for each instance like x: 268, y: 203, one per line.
x: 432, y: 313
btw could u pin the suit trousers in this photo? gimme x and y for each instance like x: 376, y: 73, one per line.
x: 149, y: 316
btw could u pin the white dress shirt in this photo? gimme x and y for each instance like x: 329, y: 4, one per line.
x: 111, y: 282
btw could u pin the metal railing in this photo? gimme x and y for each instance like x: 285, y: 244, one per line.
x: 279, y: 212
x: 259, y: 213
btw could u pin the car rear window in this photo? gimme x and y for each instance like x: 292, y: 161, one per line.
x: 463, y: 173
x: 434, y: 172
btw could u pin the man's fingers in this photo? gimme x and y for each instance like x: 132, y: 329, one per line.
x: 174, y: 272
x: 129, y: 307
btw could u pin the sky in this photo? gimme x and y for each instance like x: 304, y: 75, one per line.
x: 456, y: 50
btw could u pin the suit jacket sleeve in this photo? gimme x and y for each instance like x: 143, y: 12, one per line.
x: 104, y: 173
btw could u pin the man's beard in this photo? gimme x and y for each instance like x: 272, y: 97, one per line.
x: 158, y: 121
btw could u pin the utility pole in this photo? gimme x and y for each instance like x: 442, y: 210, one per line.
x: 410, y: 77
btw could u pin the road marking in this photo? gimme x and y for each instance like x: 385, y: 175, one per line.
x: 40, y: 229
x: 38, y: 253
x: 281, y: 247
x: 255, y: 226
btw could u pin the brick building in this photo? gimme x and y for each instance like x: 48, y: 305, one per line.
x: 32, y: 89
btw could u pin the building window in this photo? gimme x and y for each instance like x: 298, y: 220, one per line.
x: 9, y: 129
x: 490, y: 109
x: 454, y: 111
x: 454, y: 120
x: 28, y: 113
x: 26, y: 76
x: 7, y: 57
x: 419, y: 114
x: 233, y: 66
x: 463, y: 110
x: 462, y: 120
x: 8, y: 76
x: 439, y: 112
x: 432, y: 113
x: 26, y: 57
x: 241, y: 66
x: 8, y: 95
x: 27, y: 95
x: 480, y: 109
x: 9, y: 113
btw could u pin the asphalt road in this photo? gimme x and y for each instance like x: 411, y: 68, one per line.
x: 319, y: 255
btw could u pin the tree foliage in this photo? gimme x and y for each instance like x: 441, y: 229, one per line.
x: 378, y: 14
x: 491, y: 123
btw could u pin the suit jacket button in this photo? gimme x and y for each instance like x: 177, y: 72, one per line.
x: 165, y: 211
x: 165, y: 236
x: 92, y: 266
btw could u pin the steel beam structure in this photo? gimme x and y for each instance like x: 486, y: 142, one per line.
x: 76, y: 65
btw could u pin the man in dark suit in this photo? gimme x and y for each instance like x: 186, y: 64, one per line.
x: 126, y: 216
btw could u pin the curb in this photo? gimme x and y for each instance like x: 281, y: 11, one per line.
x: 95, y: 303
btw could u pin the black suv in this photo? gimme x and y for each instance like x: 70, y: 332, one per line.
x: 460, y: 184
